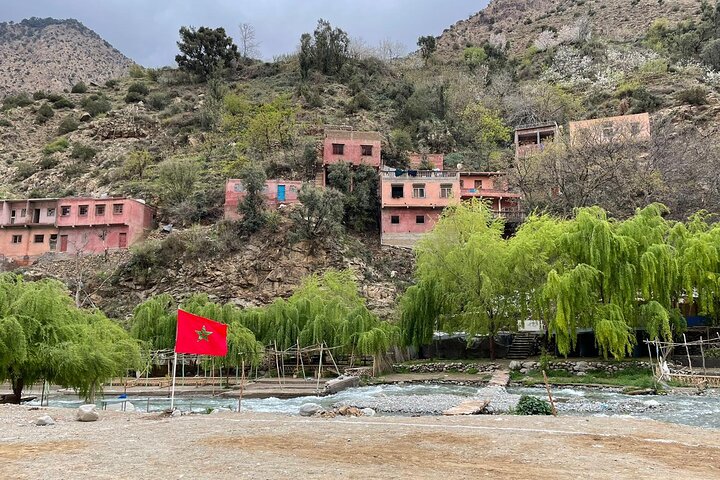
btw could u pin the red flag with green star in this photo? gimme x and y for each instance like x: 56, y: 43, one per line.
x: 200, y: 336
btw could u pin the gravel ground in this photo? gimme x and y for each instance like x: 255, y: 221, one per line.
x: 264, y: 446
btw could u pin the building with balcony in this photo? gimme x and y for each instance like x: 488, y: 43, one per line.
x: 493, y: 188
x: 625, y: 128
x: 33, y: 227
x: 277, y: 193
x: 532, y: 138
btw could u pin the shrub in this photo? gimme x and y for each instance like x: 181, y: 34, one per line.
x: 61, y: 102
x: 693, y: 96
x: 24, y: 170
x: 96, y: 104
x: 83, y: 152
x: 112, y: 83
x: 158, y: 100
x: 136, y: 71
x: 711, y: 54
x: 138, y: 87
x: 48, y: 162
x: 58, y: 145
x: 68, y: 124
x: 4, y: 122
x: 13, y: 101
x: 79, y: 87
x: 530, y: 405
x: 134, y: 97
x: 39, y: 95
x: 44, y: 113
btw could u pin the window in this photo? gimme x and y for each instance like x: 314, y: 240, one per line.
x: 39, y: 239
x: 366, y: 150
x: 446, y: 190
x: 12, y: 217
x: 83, y: 210
x: 53, y: 241
x: 397, y: 191
x: 23, y: 213
x: 65, y: 211
x: 419, y: 190
x: 338, y: 148
x: 419, y: 218
x: 117, y: 208
x: 395, y: 219
x: 478, y: 184
x: 100, y: 209
x: 16, y: 239
x: 50, y: 212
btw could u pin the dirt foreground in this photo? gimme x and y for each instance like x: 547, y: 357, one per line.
x: 263, y: 446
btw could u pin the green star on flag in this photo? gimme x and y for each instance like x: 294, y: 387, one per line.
x: 203, y: 334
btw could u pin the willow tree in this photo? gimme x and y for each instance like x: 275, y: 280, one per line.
x: 43, y: 336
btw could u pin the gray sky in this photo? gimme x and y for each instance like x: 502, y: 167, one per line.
x: 146, y: 30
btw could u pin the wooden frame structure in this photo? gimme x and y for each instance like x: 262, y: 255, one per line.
x: 664, y: 349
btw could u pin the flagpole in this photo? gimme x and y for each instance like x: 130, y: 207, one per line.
x: 172, y: 395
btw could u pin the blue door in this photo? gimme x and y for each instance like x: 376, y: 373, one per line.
x: 281, y: 193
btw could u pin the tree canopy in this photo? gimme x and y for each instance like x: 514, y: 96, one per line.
x: 44, y: 337
x: 205, y: 50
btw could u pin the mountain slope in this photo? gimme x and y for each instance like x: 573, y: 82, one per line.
x: 49, y: 54
x: 521, y: 22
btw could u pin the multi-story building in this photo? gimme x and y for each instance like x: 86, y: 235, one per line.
x: 277, y: 192
x: 625, y: 128
x: 33, y: 227
x: 532, y: 138
x: 349, y: 146
x: 493, y: 188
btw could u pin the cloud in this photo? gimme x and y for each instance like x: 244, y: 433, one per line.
x: 147, y: 32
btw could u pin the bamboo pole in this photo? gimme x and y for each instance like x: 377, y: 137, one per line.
x: 317, y: 385
x: 687, y: 351
x: 702, y: 353
x: 333, y: 360
x: 302, y: 364
x: 277, y: 365
x: 547, y: 387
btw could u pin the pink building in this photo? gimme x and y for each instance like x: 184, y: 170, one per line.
x: 434, y: 159
x: 624, y: 128
x: 413, y: 201
x: 352, y: 147
x: 532, y: 138
x: 277, y: 192
x: 31, y: 228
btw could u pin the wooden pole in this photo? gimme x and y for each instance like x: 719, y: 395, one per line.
x: 317, y: 385
x: 277, y: 365
x: 242, y: 384
x: 652, y: 364
x: 547, y: 387
x: 302, y: 364
x: 333, y: 360
x: 687, y: 351
x: 702, y: 353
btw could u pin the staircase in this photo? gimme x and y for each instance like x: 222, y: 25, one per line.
x: 320, y: 179
x: 522, y: 347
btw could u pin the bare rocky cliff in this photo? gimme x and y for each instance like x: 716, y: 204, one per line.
x: 53, y: 55
x: 521, y: 22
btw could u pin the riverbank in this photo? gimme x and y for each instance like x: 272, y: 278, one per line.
x: 258, y: 446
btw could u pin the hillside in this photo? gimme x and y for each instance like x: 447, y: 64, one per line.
x: 521, y: 22
x: 48, y: 54
x: 136, y: 134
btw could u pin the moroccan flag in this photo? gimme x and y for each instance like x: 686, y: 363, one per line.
x: 200, y: 336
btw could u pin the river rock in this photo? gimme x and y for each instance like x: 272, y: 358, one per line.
x: 87, y: 413
x: 44, y: 420
x: 515, y: 365
x: 310, y: 409
x: 651, y: 403
x: 581, y: 366
x: 368, y: 412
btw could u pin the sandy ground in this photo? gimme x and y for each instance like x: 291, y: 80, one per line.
x: 262, y: 446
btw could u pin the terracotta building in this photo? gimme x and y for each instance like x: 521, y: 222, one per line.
x: 350, y: 146
x: 611, y: 129
x: 277, y: 192
x: 33, y: 227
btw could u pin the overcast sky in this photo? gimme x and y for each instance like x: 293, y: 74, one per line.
x: 146, y: 30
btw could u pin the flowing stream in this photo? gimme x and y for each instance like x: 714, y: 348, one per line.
x: 421, y: 399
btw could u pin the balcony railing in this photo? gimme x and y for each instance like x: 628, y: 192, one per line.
x: 415, y: 174
x: 486, y: 192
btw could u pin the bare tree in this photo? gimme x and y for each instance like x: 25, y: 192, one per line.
x: 389, y: 49
x: 247, y: 43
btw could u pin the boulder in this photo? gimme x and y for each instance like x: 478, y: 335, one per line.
x: 581, y: 366
x: 87, y: 413
x: 310, y: 409
x: 85, y: 117
x: 515, y: 365
x: 339, y: 384
x: 44, y: 420
x: 651, y: 403
x: 368, y: 412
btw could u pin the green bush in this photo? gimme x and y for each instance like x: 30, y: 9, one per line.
x: 530, y: 405
x: 68, y: 124
x: 96, y: 104
x: 4, y: 122
x: 62, y: 102
x: 44, y: 113
x: 134, y: 97
x: 83, y: 152
x: 138, y: 87
x: 158, y: 100
x: 136, y: 71
x: 39, y: 95
x: 48, y: 162
x: 79, y: 87
x: 25, y: 170
x: 693, y: 96
x: 112, y: 83
x: 13, y: 101
x: 58, y: 145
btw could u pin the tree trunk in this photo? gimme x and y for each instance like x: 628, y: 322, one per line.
x: 18, y: 384
x: 492, y: 347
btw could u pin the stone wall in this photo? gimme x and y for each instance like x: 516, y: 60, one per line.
x: 454, y: 367
x: 578, y: 367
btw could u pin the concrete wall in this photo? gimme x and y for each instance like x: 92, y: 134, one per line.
x: 235, y: 192
x: 47, y: 215
x: 352, y: 147
x: 433, y: 183
x: 607, y: 129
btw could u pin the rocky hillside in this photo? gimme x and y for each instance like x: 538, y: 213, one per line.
x: 48, y: 54
x: 524, y: 22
